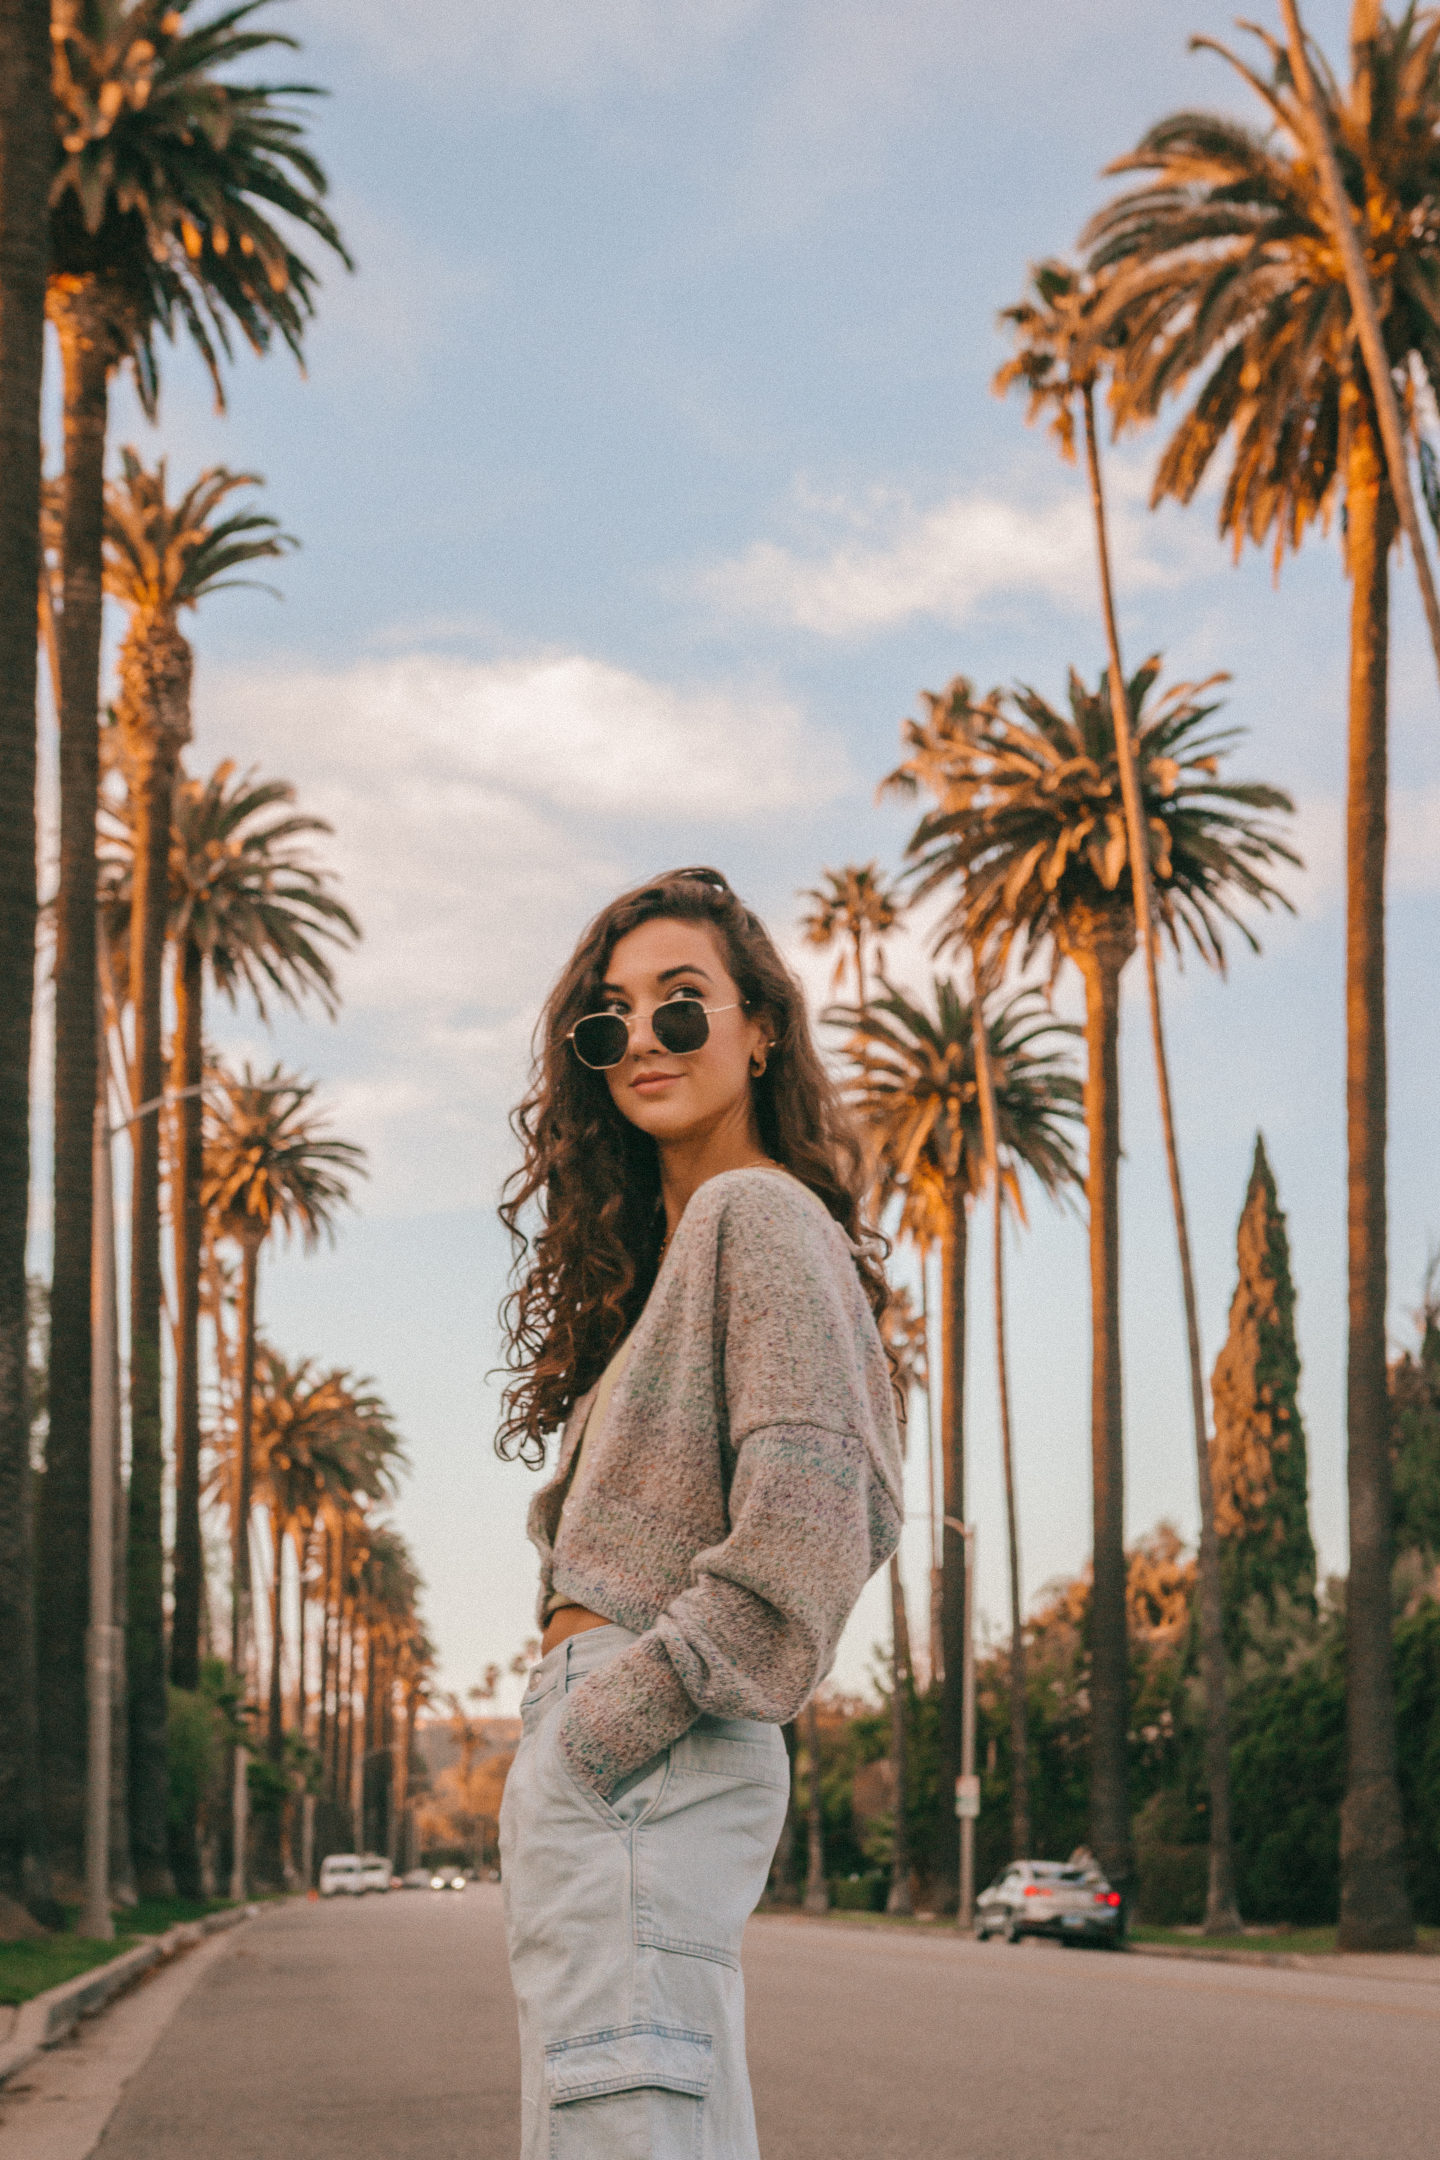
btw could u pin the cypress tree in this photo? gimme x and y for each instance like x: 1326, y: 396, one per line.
x: 1258, y: 1455
x: 1415, y: 1431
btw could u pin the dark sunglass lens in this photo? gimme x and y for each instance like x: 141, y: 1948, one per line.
x: 681, y: 1026
x: 601, y: 1040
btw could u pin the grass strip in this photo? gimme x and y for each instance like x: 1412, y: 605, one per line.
x: 29, y: 1968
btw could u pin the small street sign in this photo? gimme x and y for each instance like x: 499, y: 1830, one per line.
x: 967, y: 1798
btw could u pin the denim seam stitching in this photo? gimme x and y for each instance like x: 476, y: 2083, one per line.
x: 681, y: 1946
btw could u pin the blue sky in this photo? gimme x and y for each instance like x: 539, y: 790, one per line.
x: 645, y: 472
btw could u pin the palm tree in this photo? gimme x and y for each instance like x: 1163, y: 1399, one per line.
x: 256, y: 913
x: 317, y: 1435
x: 268, y: 1165
x: 914, y: 1089
x: 163, y: 219
x: 851, y: 907
x: 160, y: 558
x: 1223, y: 263
x: 1028, y: 833
x: 25, y: 161
x: 251, y: 912
x: 1059, y: 359
x: 1019, y: 1707
x: 906, y: 1334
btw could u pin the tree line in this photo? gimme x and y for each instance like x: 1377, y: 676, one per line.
x: 149, y: 197
x: 1285, y: 1647
x: 1230, y: 290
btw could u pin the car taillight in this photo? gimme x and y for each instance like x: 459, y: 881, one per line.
x: 1033, y: 1889
x: 1107, y: 1897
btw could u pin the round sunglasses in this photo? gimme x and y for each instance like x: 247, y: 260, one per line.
x: 680, y: 1025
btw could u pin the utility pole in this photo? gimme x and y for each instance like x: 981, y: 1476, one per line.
x: 967, y: 1785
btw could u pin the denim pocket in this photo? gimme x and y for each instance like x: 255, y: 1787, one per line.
x: 536, y: 1701
x: 631, y: 2089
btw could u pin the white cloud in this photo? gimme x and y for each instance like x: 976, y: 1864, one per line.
x: 565, y: 729
x: 481, y: 811
x: 898, y: 561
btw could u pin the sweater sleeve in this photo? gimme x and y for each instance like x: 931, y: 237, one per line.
x: 814, y: 1502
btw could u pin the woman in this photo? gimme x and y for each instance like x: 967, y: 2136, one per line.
x: 698, y: 1311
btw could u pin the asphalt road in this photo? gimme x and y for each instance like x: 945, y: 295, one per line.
x: 380, y: 2029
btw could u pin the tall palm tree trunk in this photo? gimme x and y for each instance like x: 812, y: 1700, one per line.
x: 322, y: 1682
x: 1019, y: 1709
x: 899, y: 1899
x: 1222, y: 1910
x: 107, y: 1295
x: 301, y: 1619
x: 188, y: 1225
x: 1019, y: 1702
x: 953, y: 1253
x: 345, y: 1722
x: 368, y: 1728
x: 187, y: 1580
x: 63, y: 1540
x: 817, y: 1887
x: 1374, y: 1903
x: 275, y: 1720
x: 935, y: 1640
x: 154, y: 683
x: 1100, y: 950
x: 27, y: 151
x: 240, y: 1588
x: 402, y: 1794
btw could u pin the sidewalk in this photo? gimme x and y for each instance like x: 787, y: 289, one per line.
x: 28, y: 2028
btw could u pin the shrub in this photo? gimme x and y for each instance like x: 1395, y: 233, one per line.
x: 858, y: 1893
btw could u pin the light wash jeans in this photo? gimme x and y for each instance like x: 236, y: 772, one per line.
x: 624, y: 1920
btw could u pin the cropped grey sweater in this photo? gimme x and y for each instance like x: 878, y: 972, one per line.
x: 741, y: 1487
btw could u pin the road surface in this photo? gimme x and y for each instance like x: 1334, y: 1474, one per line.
x: 380, y: 2029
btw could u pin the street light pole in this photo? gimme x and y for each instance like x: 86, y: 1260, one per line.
x: 969, y: 1797
x: 104, y: 1640
x: 102, y: 1646
x: 967, y: 1785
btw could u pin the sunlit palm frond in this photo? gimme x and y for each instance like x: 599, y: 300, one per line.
x: 850, y: 907
x: 180, y: 187
x: 1027, y: 828
x: 162, y: 556
x: 1223, y: 265
x: 243, y: 888
x: 912, y: 1087
x: 269, y: 1163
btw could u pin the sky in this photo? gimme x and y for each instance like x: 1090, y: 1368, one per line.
x: 645, y: 472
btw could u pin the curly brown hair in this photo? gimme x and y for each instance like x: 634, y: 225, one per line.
x: 594, y: 1178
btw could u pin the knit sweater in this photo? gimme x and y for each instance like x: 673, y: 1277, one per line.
x: 741, y: 1487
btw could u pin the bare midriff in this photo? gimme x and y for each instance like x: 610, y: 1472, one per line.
x: 569, y: 1620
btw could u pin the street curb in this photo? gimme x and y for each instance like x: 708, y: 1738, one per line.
x: 46, y: 2019
x: 1329, y: 1962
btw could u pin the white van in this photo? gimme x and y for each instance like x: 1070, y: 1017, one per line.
x: 342, y: 1874
x: 374, y: 1871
